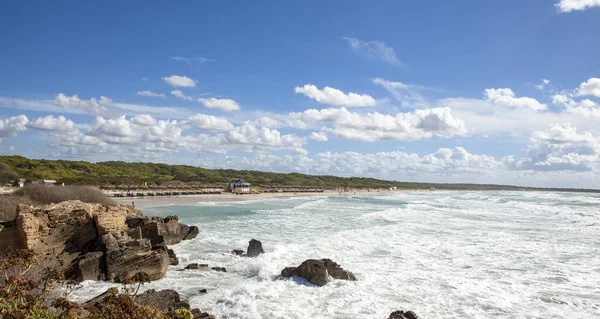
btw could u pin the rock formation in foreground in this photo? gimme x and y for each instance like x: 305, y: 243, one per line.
x: 403, y: 315
x: 255, y: 248
x: 318, y: 271
x: 97, y: 242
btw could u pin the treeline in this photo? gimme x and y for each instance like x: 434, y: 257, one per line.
x: 118, y: 173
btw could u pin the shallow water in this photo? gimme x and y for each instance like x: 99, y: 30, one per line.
x: 440, y: 254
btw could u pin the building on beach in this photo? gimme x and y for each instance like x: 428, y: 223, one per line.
x: 239, y: 186
x: 21, y: 182
x: 46, y: 182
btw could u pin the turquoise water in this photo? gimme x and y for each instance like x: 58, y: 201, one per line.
x: 441, y: 254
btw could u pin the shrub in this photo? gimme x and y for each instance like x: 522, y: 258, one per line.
x: 43, y: 195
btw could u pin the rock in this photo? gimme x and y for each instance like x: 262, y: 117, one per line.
x: 237, y: 252
x: 201, y: 315
x: 255, y: 248
x: 203, y: 291
x: 196, y: 266
x: 110, y: 220
x: 173, y: 260
x: 90, y: 267
x: 10, y: 239
x: 192, y: 233
x: 403, y: 315
x: 125, y: 257
x: 318, y: 272
x: 163, y: 230
x: 164, y: 300
x: 221, y: 269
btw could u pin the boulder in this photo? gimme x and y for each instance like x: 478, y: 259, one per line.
x: 125, y: 257
x: 318, y: 271
x: 237, y: 252
x: 255, y: 248
x: 221, y: 269
x: 196, y: 266
x: 173, y: 260
x: 10, y: 238
x: 110, y: 220
x: 90, y: 267
x: 403, y: 315
x: 174, y: 232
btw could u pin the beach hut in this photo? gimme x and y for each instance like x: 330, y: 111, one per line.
x: 21, y: 182
x: 239, y: 186
x: 48, y: 182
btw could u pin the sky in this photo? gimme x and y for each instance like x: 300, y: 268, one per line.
x: 504, y: 92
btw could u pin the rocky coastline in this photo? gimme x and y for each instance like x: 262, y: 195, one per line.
x: 85, y: 241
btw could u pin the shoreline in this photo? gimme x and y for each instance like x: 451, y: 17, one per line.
x: 145, y: 202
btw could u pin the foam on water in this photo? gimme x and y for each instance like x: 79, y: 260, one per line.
x: 441, y: 254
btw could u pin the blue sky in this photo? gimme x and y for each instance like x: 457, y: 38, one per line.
x: 468, y: 91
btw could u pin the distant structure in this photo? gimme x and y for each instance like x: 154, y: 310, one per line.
x: 46, y: 182
x: 21, y: 182
x: 347, y: 186
x: 432, y: 189
x: 239, y: 186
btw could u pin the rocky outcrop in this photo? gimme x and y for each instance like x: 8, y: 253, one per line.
x: 167, y: 301
x: 318, y: 271
x: 237, y: 252
x: 403, y: 315
x: 93, y: 241
x: 255, y: 248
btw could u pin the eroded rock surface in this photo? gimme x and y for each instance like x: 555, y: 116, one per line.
x: 318, y: 271
x: 255, y: 248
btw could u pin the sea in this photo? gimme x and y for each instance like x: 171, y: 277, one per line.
x: 492, y: 254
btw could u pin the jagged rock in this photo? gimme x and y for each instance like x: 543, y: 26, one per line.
x: 90, y: 267
x: 318, y: 271
x: 173, y: 260
x: 174, y: 232
x: 221, y: 269
x: 403, y: 315
x: 125, y: 257
x: 237, y: 252
x: 192, y: 233
x: 110, y: 220
x: 255, y: 248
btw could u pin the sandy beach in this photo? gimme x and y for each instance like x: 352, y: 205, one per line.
x: 142, y: 202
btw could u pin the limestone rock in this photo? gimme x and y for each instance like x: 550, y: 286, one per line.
x: 90, y: 267
x: 173, y: 260
x: 318, y: 271
x: 237, y: 252
x: 125, y: 257
x: 403, y: 315
x: 110, y: 220
x: 255, y: 248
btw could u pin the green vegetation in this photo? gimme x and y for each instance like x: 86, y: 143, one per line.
x: 117, y: 173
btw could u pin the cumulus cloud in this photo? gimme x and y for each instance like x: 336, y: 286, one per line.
x: 179, y: 81
x: 226, y: 105
x: 12, y: 126
x: 143, y: 120
x: 119, y: 127
x: 51, y: 123
x: 558, y: 148
x: 92, y: 106
x: 506, y: 97
x: 249, y: 134
x: 590, y: 87
x: 374, y: 49
x: 376, y: 126
x: 319, y: 136
x: 267, y: 122
x: 150, y: 93
x: 210, y: 123
x: 331, y: 96
x: 576, y: 5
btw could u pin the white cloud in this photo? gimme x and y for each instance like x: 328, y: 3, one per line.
x: 249, y: 134
x: 12, y: 126
x: 319, y: 136
x: 559, y: 148
x: 179, y: 94
x: 92, y: 106
x: 267, y: 122
x: 119, y: 127
x: 226, y: 105
x: 407, y: 94
x: 150, y: 93
x: 506, y: 97
x: 210, y: 123
x: 190, y: 60
x: 374, y: 49
x: 179, y: 81
x: 590, y: 87
x: 331, y: 96
x: 541, y: 86
x: 143, y: 120
x: 376, y: 126
x: 576, y: 5
x: 51, y: 123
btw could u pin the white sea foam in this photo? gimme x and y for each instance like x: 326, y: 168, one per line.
x: 441, y: 254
